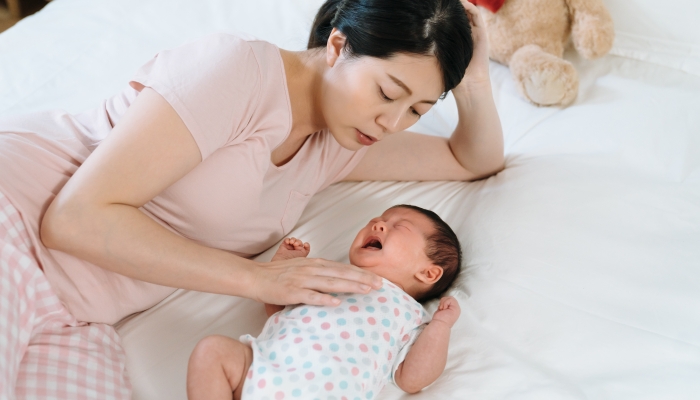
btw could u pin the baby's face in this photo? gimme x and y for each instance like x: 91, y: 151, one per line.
x: 393, y: 246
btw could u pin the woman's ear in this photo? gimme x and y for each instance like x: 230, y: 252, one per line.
x: 430, y: 274
x: 335, y: 46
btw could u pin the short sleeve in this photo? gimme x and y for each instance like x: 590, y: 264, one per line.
x: 407, y: 342
x: 213, y: 84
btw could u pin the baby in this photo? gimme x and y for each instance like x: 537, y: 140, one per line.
x: 348, y: 352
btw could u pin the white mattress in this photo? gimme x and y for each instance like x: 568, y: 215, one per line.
x: 582, y: 257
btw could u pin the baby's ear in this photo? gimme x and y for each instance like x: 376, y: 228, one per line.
x: 430, y: 274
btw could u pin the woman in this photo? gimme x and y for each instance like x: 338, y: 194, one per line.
x: 207, y: 159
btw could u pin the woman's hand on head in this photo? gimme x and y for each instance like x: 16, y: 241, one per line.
x: 477, y: 72
x: 308, y: 280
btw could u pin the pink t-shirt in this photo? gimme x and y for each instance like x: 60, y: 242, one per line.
x: 232, y: 95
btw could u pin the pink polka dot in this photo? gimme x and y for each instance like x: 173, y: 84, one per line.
x: 386, y: 336
x: 291, y: 370
x: 418, y: 321
x: 328, y: 386
x: 396, y: 312
x: 317, y: 347
x: 417, y: 312
x: 390, y: 356
x: 277, y: 319
x: 309, y: 375
x: 336, y: 358
x: 404, y: 297
x: 250, y: 374
x: 354, y: 309
x: 355, y: 371
x: 343, y: 398
x: 325, y: 325
x: 364, y: 348
x: 306, y: 320
x: 371, y: 320
x: 282, y: 337
x: 344, y: 335
x: 404, y: 338
x: 275, y: 365
x: 375, y: 365
x: 382, y: 299
x: 261, y: 383
x: 279, y: 396
x: 298, y: 340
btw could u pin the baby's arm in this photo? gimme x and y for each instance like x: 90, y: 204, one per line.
x: 427, y: 358
x: 290, y: 248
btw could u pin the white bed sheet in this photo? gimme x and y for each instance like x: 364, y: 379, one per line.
x: 582, y: 257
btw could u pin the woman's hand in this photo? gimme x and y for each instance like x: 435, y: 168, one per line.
x: 477, y: 72
x: 308, y: 280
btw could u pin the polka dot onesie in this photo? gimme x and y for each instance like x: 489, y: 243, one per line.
x: 347, y: 352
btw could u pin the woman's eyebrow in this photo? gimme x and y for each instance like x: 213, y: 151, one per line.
x: 404, y: 87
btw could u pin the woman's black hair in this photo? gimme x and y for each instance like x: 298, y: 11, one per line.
x: 384, y: 28
x: 443, y: 249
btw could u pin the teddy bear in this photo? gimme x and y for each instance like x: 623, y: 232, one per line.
x: 530, y: 36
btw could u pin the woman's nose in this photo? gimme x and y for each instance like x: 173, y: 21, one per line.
x: 390, y: 121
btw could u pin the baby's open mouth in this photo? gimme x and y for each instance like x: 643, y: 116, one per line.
x: 372, y: 243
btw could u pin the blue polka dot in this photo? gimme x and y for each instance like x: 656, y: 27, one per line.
x: 289, y: 360
x: 307, y: 364
x: 386, y: 322
x: 375, y: 349
x: 296, y: 392
x: 396, y: 300
x: 358, y: 321
x: 343, y: 385
x: 352, y: 360
x: 313, y: 337
x: 304, y: 311
x: 322, y: 314
x: 392, y: 341
x: 334, y: 294
x: 408, y: 316
x: 277, y: 381
x: 273, y: 355
x: 341, y: 321
x: 261, y: 370
x: 334, y: 347
x: 360, y: 333
x: 365, y: 375
x: 369, y: 308
x: 381, y: 290
x: 283, y: 330
x: 326, y: 371
x: 295, y: 330
x: 352, y: 300
x: 369, y: 395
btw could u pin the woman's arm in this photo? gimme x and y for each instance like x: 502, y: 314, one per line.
x: 95, y: 217
x: 426, y: 360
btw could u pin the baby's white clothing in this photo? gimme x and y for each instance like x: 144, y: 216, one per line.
x: 347, y: 352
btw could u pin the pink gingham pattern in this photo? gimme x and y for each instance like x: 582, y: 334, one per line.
x: 45, y: 353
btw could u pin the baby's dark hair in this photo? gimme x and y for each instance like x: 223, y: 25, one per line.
x: 443, y: 249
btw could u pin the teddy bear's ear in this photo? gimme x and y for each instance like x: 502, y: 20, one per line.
x: 592, y: 30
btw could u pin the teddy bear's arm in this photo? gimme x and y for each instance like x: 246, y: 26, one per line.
x: 592, y: 27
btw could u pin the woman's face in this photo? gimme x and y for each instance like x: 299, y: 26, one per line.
x: 365, y: 99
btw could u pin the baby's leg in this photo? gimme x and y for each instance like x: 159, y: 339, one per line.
x: 217, y: 368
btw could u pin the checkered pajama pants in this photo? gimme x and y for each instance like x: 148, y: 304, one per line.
x: 45, y: 353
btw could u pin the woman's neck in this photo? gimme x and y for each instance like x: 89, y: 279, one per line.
x: 304, y: 71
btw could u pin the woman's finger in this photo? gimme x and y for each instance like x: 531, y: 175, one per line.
x: 346, y: 271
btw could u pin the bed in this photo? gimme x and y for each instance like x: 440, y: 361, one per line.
x: 582, y: 257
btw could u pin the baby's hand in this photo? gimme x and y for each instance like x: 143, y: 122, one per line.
x: 448, y: 311
x: 291, y: 248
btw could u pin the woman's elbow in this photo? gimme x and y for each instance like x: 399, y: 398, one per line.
x: 57, y: 228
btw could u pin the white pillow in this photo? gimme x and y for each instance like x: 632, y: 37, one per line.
x: 662, y: 32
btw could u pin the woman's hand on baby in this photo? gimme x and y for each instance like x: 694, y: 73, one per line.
x: 448, y: 311
x: 291, y: 248
x: 308, y: 280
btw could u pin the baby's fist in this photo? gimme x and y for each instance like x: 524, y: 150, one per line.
x: 291, y: 248
x: 448, y: 311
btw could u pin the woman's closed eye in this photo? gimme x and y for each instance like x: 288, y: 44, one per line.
x: 388, y: 99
